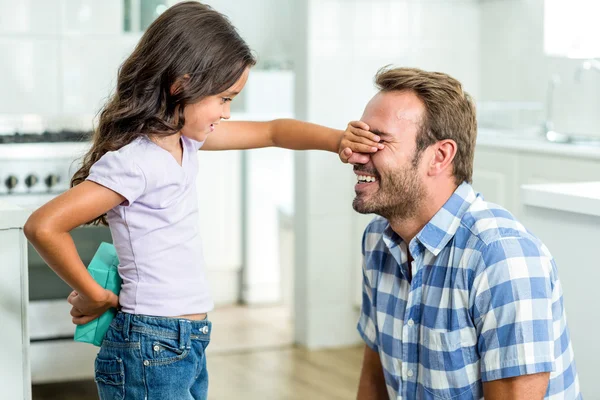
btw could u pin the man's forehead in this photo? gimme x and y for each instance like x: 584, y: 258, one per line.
x: 393, y: 111
x: 401, y: 104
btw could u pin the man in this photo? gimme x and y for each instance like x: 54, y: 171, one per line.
x: 460, y: 301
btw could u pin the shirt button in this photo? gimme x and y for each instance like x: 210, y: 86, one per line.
x: 146, y: 363
x: 411, y: 322
x: 156, y: 348
x: 410, y: 373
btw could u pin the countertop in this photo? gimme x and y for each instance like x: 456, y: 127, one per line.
x: 577, y: 197
x: 12, y: 216
x: 527, y: 143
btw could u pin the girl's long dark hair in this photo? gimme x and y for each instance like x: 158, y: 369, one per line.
x: 190, y: 45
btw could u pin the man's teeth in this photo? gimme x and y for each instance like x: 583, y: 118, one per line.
x: 364, y: 178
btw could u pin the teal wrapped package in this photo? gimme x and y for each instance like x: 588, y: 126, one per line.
x: 103, y: 269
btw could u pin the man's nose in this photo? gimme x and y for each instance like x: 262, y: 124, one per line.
x: 359, y: 158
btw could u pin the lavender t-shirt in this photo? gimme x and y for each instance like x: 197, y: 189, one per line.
x: 156, y: 230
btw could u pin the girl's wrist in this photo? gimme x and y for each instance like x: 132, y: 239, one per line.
x: 99, y: 295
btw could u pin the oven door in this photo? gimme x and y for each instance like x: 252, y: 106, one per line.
x: 49, y: 316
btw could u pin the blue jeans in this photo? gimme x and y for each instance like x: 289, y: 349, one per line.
x: 153, y: 358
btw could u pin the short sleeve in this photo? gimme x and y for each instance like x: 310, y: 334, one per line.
x: 514, y: 309
x: 119, y: 173
x: 367, y: 327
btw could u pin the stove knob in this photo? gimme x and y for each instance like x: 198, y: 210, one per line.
x: 31, y: 180
x: 51, y: 180
x: 11, y: 182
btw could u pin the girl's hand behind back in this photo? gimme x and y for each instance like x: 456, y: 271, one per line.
x: 85, y: 309
x: 358, y: 143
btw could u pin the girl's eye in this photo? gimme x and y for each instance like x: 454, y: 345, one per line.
x: 226, y: 99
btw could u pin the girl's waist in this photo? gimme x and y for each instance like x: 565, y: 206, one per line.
x: 167, y: 327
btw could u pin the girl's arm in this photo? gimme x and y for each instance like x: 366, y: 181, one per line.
x: 48, y: 231
x: 291, y: 134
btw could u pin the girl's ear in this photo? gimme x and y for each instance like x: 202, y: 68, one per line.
x: 177, y: 87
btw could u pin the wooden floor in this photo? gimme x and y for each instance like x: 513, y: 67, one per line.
x: 237, y: 328
x: 251, y: 357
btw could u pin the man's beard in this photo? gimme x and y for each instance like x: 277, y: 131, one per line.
x: 398, y: 197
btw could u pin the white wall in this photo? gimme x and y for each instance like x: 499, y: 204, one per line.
x: 60, y: 57
x: 514, y: 67
x: 347, y: 42
x: 264, y: 24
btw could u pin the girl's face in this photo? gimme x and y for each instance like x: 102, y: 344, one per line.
x: 202, y: 117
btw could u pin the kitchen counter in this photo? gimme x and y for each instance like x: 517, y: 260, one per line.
x: 512, y: 140
x: 576, y: 197
x: 12, y: 216
x: 15, y: 378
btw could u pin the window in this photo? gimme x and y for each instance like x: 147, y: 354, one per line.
x: 571, y: 28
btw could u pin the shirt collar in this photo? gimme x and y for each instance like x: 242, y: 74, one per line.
x: 444, y: 224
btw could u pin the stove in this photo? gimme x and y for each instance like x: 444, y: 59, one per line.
x: 36, y: 167
x: 47, y: 137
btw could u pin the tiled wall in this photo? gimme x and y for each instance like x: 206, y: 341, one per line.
x: 514, y: 67
x: 59, y: 56
x: 264, y: 24
x: 348, y: 41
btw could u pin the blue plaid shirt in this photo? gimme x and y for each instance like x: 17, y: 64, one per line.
x: 484, y: 303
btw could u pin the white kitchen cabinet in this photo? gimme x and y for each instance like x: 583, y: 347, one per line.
x: 15, y: 378
x: 495, y: 175
x: 499, y: 172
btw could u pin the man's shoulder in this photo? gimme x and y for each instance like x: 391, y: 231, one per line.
x: 490, y: 223
x: 499, y: 234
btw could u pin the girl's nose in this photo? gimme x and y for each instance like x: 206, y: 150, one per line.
x: 226, y: 112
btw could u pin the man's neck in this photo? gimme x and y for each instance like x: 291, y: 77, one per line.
x: 408, y: 228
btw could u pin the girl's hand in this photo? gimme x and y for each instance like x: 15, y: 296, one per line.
x: 358, y: 143
x: 85, y: 309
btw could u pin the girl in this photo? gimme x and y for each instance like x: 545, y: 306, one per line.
x: 139, y: 177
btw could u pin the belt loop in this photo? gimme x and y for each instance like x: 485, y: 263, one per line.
x: 185, y: 328
x: 126, y: 326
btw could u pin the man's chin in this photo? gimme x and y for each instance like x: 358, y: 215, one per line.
x: 361, y: 207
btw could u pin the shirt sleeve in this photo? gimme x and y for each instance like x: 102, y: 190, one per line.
x: 119, y: 173
x: 513, y: 311
x: 367, y: 326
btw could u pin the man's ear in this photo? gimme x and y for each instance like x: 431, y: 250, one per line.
x: 179, y: 84
x: 444, y: 152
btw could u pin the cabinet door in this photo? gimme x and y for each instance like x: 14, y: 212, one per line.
x: 14, y: 363
x: 541, y: 168
x: 495, y: 176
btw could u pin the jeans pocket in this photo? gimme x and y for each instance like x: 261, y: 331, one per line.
x: 110, y: 379
x: 162, y: 351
